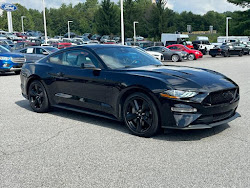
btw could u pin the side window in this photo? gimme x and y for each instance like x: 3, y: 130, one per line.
x: 39, y: 50
x: 30, y: 50
x: 79, y: 58
x: 158, y: 49
x: 24, y: 51
x: 56, y: 59
x: 173, y: 48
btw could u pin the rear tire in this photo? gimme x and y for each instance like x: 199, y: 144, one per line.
x: 140, y: 115
x: 17, y: 72
x: 241, y: 53
x: 175, y: 58
x: 226, y: 54
x: 38, y: 97
x: 213, y: 55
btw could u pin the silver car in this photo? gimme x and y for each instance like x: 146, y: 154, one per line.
x: 34, y: 53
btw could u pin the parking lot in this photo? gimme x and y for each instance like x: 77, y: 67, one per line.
x: 69, y: 149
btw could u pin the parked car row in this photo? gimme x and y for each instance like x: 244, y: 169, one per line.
x: 228, y: 49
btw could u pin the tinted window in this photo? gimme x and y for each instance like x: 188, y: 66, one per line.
x: 23, y: 51
x: 125, y: 57
x: 79, y: 58
x: 51, y: 49
x: 3, y: 49
x: 39, y: 50
x: 173, y: 48
x: 57, y: 59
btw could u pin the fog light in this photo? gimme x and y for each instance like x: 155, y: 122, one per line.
x: 183, y: 108
x: 6, y: 65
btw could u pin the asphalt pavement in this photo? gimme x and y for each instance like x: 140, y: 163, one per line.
x: 64, y: 149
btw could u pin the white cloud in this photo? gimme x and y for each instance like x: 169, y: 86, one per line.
x: 37, y: 4
x: 195, y: 6
x: 203, y: 6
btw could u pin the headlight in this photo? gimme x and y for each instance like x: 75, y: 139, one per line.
x: 177, y: 94
x: 5, y: 58
x: 197, y: 52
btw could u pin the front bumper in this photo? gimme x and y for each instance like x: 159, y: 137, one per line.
x: 198, y: 56
x: 180, y: 114
x: 205, y: 126
x: 10, y: 66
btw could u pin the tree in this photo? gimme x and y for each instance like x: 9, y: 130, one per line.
x: 158, y: 18
x: 107, y: 18
x: 243, y: 3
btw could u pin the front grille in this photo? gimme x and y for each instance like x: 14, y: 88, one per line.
x: 214, y: 118
x: 18, y: 66
x: 221, y: 97
x: 18, y: 60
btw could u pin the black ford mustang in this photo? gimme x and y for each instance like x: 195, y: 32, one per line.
x: 124, y: 83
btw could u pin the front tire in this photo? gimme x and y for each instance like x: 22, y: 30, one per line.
x: 191, y: 57
x: 38, y: 97
x: 140, y: 115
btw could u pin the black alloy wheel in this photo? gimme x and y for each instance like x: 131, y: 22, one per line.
x: 38, y: 97
x: 140, y: 115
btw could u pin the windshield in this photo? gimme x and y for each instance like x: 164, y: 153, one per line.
x: 3, y: 49
x: 51, y: 49
x: 85, y: 38
x: 166, y: 49
x: 126, y: 57
x: 9, y: 42
x: 187, y: 48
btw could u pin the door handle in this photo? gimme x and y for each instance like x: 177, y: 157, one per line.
x: 57, y: 75
x: 60, y: 74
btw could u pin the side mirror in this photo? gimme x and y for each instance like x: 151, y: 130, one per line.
x: 96, y: 71
x: 87, y: 66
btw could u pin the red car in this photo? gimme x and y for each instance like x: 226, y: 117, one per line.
x: 193, y: 54
x: 62, y: 45
x: 23, y: 36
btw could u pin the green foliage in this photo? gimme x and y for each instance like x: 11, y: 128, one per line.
x: 104, y: 18
x: 243, y: 3
x: 107, y: 18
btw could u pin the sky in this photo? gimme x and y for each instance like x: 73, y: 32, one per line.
x: 195, y: 6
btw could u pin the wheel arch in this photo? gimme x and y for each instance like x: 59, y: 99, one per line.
x: 31, y: 79
x: 136, y: 89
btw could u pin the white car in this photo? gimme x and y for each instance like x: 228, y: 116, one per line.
x: 157, y: 55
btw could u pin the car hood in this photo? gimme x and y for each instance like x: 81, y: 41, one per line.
x: 12, y: 55
x: 186, y: 78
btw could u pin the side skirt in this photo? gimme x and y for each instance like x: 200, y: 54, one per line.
x: 90, y: 112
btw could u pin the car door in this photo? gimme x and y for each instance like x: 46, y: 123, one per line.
x: 80, y: 80
x: 29, y: 54
x: 39, y: 53
x: 166, y: 53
